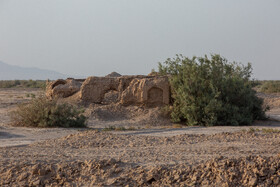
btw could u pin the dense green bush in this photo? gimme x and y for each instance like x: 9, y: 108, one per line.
x: 41, y: 112
x: 23, y: 84
x: 211, y: 91
x: 270, y: 86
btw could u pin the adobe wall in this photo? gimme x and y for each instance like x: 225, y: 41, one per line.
x: 126, y: 90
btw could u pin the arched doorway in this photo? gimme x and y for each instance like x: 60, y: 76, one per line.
x: 155, y: 96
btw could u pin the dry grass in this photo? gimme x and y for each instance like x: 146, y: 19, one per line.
x: 113, y: 128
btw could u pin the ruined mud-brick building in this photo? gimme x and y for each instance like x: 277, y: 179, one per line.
x: 114, y: 88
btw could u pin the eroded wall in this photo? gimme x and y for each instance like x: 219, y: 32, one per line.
x: 126, y: 90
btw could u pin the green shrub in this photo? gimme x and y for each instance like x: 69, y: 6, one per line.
x: 270, y: 87
x: 211, y: 91
x: 41, y: 112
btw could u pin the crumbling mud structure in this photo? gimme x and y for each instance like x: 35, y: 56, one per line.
x: 114, y: 88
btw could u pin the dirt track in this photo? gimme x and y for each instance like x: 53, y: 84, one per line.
x: 155, y: 155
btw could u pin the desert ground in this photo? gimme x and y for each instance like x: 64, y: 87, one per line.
x: 145, y: 149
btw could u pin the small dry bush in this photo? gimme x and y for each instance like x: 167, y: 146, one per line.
x: 113, y: 128
x: 42, y: 112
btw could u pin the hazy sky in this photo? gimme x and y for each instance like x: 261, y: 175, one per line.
x: 96, y: 37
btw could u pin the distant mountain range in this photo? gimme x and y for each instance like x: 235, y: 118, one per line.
x: 10, y: 72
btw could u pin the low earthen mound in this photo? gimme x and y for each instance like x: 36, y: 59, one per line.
x: 113, y: 74
x: 129, y: 116
x: 93, y: 158
x: 272, y: 100
x: 248, y: 171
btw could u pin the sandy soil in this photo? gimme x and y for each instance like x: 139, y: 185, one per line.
x: 114, y: 159
x: 155, y: 154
